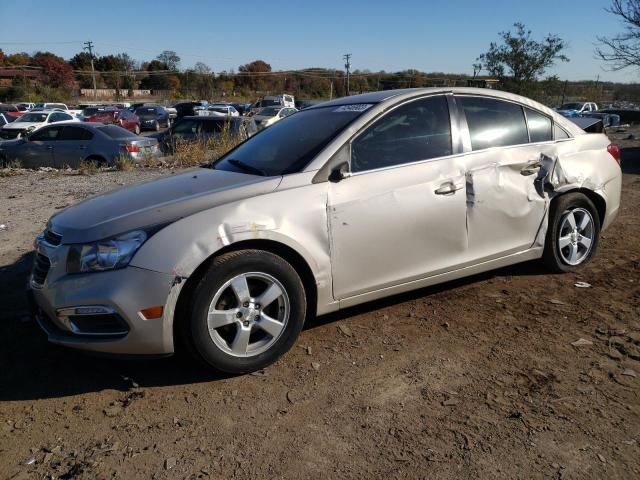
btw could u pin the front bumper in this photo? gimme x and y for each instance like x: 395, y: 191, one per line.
x: 117, y: 296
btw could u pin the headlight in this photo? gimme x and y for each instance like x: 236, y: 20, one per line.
x: 108, y: 254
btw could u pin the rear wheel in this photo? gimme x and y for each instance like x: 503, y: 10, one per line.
x: 156, y: 126
x: 248, y: 310
x: 136, y: 129
x: 573, y: 233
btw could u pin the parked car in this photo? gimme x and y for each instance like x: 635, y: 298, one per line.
x: 50, y: 106
x: 575, y: 109
x: 24, y: 106
x: 112, y: 115
x: 70, y: 143
x: 6, y: 119
x: 270, y: 115
x: 10, y: 110
x: 203, y: 128
x: 272, y: 101
x: 31, y: 121
x: 153, y: 117
x: 349, y: 201
x: 219, y: 110
x: 188, y: 109
x: 242, y: 108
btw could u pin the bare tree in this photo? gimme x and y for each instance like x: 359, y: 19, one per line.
x: 623, y: 50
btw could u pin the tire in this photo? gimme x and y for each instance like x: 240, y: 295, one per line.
x: 567, y: 249
x: 156, y: 126
x: 247, y: 336
x: 136, y: 129
x: 169, y: 122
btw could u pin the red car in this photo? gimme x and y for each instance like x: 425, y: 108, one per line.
x: 112, y: 115
x: 10, y: 110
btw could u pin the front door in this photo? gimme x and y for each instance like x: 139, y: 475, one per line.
x: 38, y: 151
x: 401, y: 215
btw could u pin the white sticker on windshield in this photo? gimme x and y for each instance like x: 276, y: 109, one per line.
x: 356, y: 107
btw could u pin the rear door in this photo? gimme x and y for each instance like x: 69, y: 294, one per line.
x: 401, y: 215
x: 71, y: 147
x: 504, y: 206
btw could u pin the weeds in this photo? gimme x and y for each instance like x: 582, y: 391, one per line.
x: 88, y: 167
x: 124, y: 163
x: 10, y: 169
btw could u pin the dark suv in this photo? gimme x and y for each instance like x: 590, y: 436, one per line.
x: 203, y: 128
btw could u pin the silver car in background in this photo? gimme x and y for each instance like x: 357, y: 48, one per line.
x: 67, y: 144
x: 344, y: 202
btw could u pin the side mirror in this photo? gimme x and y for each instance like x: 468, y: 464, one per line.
x: 339, y: 173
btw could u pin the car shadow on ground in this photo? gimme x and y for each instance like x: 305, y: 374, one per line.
x: 31, y: 368
x: 630, y: 160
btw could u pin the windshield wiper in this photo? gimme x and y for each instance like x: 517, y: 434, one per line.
x: 247, y: 168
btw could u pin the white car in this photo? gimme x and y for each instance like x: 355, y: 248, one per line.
x: 31, y: 121
x: 270, y: 115
x: 219, y: 110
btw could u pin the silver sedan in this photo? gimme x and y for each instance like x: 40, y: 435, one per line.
x: 342, y: 203
x: 68, y: 144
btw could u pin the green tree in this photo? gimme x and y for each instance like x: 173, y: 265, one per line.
x: 519, y: 60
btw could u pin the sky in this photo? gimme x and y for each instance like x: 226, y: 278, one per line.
x: 391, y: 35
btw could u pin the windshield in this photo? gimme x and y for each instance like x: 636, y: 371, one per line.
x: 33, y: 117
x: 571, y: 106
x: 90, y: 111
x: 290, y: 144
x: 146, y: 112
x: 268, y: 112
x: 269, y: 103
x: 186, y: 126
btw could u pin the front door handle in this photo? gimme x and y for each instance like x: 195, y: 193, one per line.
x: 531, y: 168
x: 448, y: 188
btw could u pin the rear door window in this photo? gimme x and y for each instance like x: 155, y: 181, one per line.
x: 416, y: 131
x: 540, y: 126
x: 559, y: 133
x: 75, y: 134
x: 493, y: 122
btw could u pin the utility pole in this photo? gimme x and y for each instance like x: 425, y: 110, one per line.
x: 347, y: 66
x: 89, y: 47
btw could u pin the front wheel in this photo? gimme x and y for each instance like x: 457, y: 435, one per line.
x: 136, y: 129
x: 156, y: 126
x: 248, y: 310
x: 573, y: 233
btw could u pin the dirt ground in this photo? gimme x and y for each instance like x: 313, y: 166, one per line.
x: 471, y: 379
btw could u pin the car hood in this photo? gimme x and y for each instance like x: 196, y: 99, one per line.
x: 156, y: 203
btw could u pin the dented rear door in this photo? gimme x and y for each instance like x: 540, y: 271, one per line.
x: 506, y: 203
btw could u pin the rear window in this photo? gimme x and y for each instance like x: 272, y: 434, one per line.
x: 540, y: 129
x: 114, y: 131
x: 494, y: 123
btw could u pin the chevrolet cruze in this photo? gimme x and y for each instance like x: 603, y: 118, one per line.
x: 341, y: 203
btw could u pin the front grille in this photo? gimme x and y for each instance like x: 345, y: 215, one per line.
x: 41, y: 266
x: 10, y: 133
x: 52, y: 238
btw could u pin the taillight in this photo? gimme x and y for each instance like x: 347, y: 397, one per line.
x: 614, y: 150
x: 130, y: 148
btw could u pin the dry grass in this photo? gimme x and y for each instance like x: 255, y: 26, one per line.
x: 11, y: 169
x: 88, y: 167
x: 193, y: 153
x: 124, y: 163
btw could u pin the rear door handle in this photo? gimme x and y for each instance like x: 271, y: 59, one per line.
x: 531, y: 168
x: 448, y: 188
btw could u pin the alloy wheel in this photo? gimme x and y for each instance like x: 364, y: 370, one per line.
x: 248, y: 314
x: 575, y: 236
